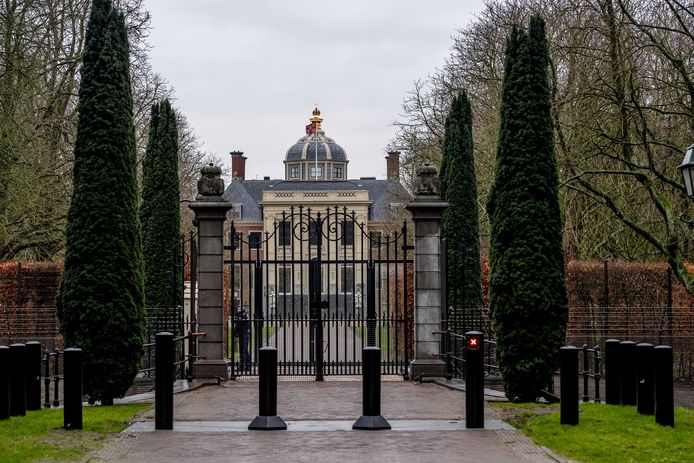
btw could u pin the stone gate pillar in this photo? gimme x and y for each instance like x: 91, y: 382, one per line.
x: 427, y: 210
x: 210, y: 212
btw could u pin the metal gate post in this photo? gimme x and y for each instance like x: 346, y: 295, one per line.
x: 371, y: 304
x: 258, y: 308
x: 316, y: 304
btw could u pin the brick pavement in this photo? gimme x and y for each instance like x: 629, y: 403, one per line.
x: 236, y: 402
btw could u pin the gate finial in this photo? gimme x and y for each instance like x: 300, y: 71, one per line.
x: 210, y: 184
x: 427, y: 182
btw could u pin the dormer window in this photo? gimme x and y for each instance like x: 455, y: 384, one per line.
x: 313, y: 170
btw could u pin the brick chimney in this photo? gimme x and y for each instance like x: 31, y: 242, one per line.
x: 238, y: 165
x: 393, y: 165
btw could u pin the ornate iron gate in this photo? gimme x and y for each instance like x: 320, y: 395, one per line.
x: 319, y: 287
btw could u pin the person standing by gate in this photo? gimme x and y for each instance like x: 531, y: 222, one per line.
x: 242, y: 328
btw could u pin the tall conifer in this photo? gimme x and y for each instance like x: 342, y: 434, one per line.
x: 461, y: 219
x: 100, y: 302
x: 527, y: 285
x: 160, y: 215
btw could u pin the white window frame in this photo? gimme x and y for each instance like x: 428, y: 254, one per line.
x: 312, y: 171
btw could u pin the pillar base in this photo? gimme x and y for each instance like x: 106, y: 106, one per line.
x: 267, y: 423
x: 427, y: 368
x: 210, y: 369
x: 371, y: 423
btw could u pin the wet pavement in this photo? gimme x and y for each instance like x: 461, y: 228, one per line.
x: 427, y: 420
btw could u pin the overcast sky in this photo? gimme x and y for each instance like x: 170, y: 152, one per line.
x: 248, y: 73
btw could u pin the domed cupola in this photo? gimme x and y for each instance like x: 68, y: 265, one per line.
x: 315, y: 156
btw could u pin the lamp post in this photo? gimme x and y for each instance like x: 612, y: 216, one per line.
x: 687, y: 169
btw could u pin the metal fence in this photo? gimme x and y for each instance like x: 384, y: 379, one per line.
x: 454, y: 355
x: 673, y: 326
x: 23, y: 324
x: 185, y: 354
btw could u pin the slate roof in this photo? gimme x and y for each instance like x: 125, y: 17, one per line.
x: 382, y: 193
x: 305, y: 149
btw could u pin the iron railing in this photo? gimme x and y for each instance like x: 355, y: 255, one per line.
x: 454, y: 353
x: 185, y: 354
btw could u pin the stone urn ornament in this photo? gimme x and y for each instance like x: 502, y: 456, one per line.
x: 211, y: 184
x: 427, y: 182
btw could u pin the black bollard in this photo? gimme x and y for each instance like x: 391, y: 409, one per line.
x: 568, y: 383
x: 18, y: 398
x: 474, y: 379
x: 163, y: 380
x: 612, y: 371
x: 645, y: 390
x: 267, y: 419
x: 371, y: 419
x: 664, y: 393
x: 33, y: 375
x: 628, y: 381
x: 72, y: 388
x: 4, y: 382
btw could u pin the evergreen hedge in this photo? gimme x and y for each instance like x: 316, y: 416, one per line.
x: 160, y: 214
x: 461, y: 219
x: 100, y: 301
x: 527, y: 284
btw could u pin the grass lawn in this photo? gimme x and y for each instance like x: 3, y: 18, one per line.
x: 607, y: 433
x: 385, y: 339
x: 39, y: 435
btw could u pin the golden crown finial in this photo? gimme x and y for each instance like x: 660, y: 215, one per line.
x: 316, y: 119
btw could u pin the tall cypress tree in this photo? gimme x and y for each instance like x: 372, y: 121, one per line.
x: 100, y: 302
x: 461, y: 219
x: 160, y: 216
x: 527, y: 284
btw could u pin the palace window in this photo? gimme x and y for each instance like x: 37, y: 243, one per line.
x: 254, y: 239
x: 293, y: 172
x: 312, y: 171
x: 284, y: 231
x: 284, y: 280
x: 346, y: 279
x: 337, y: 172
x: 347, y: 233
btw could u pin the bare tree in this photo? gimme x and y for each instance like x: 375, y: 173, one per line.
x: 621, y: 74
x: 41, y: 43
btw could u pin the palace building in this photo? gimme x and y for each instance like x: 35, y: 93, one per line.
x: 315, y: 212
